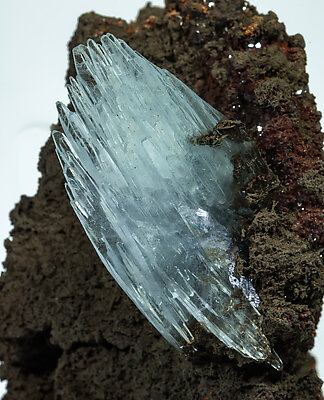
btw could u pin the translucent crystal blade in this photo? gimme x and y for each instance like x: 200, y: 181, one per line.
x: 157, y: 209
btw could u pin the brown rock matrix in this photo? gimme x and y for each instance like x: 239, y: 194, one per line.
x: 67, y: 331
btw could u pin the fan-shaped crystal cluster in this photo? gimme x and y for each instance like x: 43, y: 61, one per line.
x: 157, y: 208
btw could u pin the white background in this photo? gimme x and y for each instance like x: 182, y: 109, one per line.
x: 33, y: 46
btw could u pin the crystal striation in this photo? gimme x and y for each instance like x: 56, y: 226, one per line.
x: 158, y: 209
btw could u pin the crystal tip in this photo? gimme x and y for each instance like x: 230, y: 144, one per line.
x: 275, y: 361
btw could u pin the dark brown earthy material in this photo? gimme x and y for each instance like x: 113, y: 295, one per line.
x: 67, y: 331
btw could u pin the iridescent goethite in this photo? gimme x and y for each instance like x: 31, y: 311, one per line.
x: 157, y: 207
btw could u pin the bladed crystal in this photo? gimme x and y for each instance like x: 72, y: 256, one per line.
x: 158, y: 209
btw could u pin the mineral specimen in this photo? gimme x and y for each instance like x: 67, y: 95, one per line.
x: 159, y: 210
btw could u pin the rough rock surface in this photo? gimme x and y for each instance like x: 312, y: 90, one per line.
x: 66, y: 329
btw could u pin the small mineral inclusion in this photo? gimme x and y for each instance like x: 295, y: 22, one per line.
x: 157, y: 208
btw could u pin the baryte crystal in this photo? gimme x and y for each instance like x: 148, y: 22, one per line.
x: 158, y: 208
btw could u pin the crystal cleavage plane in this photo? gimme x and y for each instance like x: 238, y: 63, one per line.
x: 158, y: 209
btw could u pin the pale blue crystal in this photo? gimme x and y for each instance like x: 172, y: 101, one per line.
x: 157, y: 209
